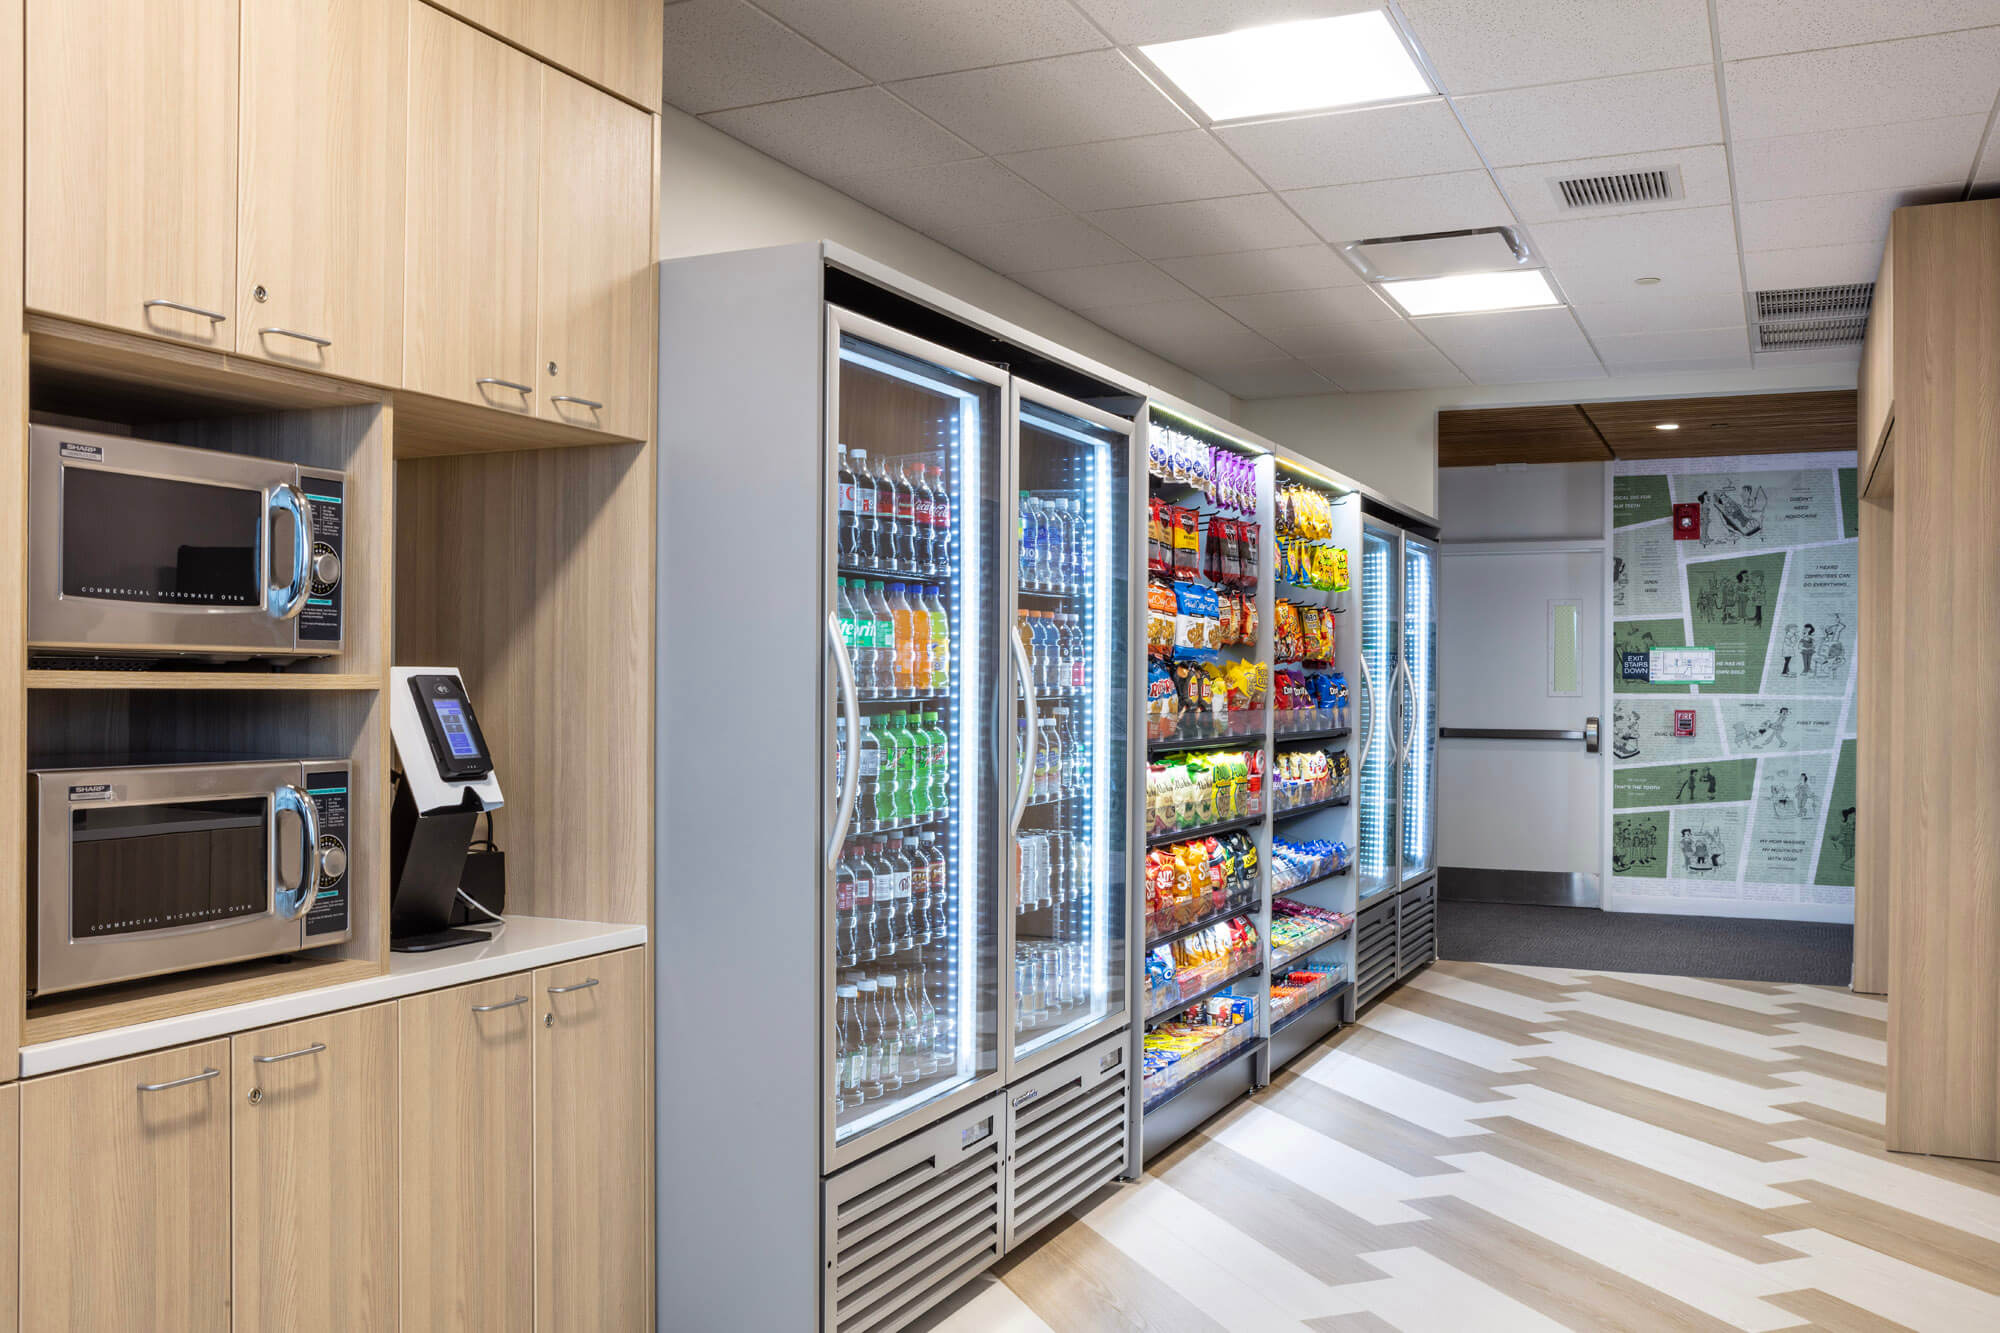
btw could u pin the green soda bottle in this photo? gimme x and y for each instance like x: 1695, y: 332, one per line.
x: 911, y: 800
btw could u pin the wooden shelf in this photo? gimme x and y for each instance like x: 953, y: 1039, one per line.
x: 431, y: 427
x: 185, y: 993
x: 199, y: 680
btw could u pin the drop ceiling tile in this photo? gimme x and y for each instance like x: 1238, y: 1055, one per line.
x: 1989, y: 162
x: 1883, y: 83
x: 1455, y: 201
x: 1097, y: 286
x: 1415, y: 368
x: 1660, y: 310
x: 1341, y: 147
x: 1517, y: 346
x: 1809, y: 356
x: 1599, y: 242
x: 1830, y: 219
x: 1531, y: 189
x: 1285, y: 378
x: 951, y: 194
x: 1772, y: 27
x: 1614, y: 281
x: 1036, y: 246
x: 1125, y: 173
x: 1379, y: 337
x: 843, y: 134
x: 1812, y: 266
x: 1288, y: 315
x: 1245, y: 272
x: 1876, y: 157
x: 1729, y: 344
x: 1633, y: 113
x: 724, y: 53
x: 907, y: 41
x: 1206, y: 226
x: 1479, y: 45
x: 1188, y: 333
x: 1136, y: 21
x: 1046, y: 103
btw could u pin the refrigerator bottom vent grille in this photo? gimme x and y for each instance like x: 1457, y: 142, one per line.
x: 1067, y: 1143
x: 1419, y: 936
x: 905, y: 1243
x: 1375, y: 952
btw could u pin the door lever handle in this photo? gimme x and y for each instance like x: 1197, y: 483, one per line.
x: 1590, y: 735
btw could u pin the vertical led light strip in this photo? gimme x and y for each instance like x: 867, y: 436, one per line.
x: 1373, y: 853
x: 1100, y: 731
x: 1417, y: 653
x: 967, y: 735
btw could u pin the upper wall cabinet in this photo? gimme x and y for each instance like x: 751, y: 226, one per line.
x: 616, y: 43
x: 319, y: 241
x: 131, y: 119
x: 596, y: 270
x: 475, y: 155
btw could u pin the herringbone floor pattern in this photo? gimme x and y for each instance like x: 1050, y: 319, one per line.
x: 1500, y: 1148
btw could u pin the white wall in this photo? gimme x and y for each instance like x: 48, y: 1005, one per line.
x: 1389, y: 440
x: 1521, y: 502
x: 717, y: 194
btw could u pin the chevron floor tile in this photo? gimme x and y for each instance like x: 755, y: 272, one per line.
x: 1501, y: 1148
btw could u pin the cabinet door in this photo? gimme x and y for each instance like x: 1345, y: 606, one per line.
x: 468, y: 1157
x: 320, y: 206
x: 593, y: 1147
x: 616, y: 43
x: 132, y: 163
x: 596, y: 293
x: 314, y: 1143
x: 125, y: 1183
x: 471, y: 232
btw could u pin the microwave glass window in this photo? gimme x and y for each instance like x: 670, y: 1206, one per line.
x: 130, y: 538
x: 150, y: 867
x: 459, y: 736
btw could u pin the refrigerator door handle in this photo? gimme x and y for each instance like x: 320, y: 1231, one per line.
x: 1024, y: 785
x: 1409, y: 692
x: 850, y: 783
x: 1374, y: 716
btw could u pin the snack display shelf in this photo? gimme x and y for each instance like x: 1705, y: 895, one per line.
x: 1249, y: 909
x: 1328, y: 804
x: 1204, y: 830
x: 1318, y: 734
x: 1277, y: 892
x: 1207, y: 1072
x: 1285, y: 960
x: 1172, y: 1007
x: 1293, y: 1015
x: 1195, y: 744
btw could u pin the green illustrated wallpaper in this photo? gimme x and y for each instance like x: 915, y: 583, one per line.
x: 1736, y: 797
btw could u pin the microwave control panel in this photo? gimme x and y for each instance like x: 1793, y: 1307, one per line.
x: 328, y: 789
x: 319, y: 622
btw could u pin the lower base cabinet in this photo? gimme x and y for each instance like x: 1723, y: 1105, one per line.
x: 125, y: 1186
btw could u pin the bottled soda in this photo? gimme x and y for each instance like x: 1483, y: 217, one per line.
x: 940, y: 522
x: 859, y: 946
x: 863, y: 483
x: 921, y: 505
x: 903, y: 807
x: 894, y: 500
x: 843, y: 908
x: 882, y: 911
x: 913, y: 543
x: 938, y: 621
x: 848, y: 1062
x: 882, y: 635
x: 900, y: 871
x: 846, y: 539
x: 868, y: 778
x: 938, y: 772
x: 919, y: 913
x: 939, y: 925
x: 891, y: 1041
x: 868, y: 1041
x: 912, y: 666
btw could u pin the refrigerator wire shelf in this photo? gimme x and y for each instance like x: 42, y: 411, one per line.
x: 1204, y: 830
x: 1316, y: 879
x: 1319, y: 734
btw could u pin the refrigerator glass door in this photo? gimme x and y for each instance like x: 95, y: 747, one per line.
x: 912, y: 1018
x: 1068, y: 805
x: 1420, y: 707
x: 1380, y: 717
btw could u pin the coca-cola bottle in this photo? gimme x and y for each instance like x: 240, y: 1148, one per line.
x: 849, y: 537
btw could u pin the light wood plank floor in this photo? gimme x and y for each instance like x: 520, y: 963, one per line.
x: 1516, y: 1148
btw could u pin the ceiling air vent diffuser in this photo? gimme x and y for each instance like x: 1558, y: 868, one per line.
x: 1619, y: 189
x: 1791, y: 318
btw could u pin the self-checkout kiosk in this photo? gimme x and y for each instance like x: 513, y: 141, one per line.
x: 445, y: 784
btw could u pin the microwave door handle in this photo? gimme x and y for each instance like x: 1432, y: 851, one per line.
x: 291, y: 903
x: 286, y: 600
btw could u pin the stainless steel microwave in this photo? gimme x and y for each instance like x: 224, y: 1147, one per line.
x: 138, y: 549
x: 140, y: 871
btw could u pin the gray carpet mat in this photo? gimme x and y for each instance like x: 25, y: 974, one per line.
x: 1805, y: 953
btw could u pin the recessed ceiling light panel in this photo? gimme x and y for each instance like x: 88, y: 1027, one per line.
x: 1310, y: 65
x: 1473, y: 293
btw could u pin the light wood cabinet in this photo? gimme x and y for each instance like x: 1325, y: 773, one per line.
x: 125, y: 1182
x: 314, y: 1199
x: 468, y: 1149
x: 616, y: 43
x: 10, y: 1206
x: 469, y: 329
x: 131, y: 164
x: 319, y: 253
x: 1877, y: 379
x: 593, y: 1147
x: 596, y: 296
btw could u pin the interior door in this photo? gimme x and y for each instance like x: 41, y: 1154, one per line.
x: 1520, y: 656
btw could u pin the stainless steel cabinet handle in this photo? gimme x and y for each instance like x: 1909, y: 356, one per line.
x: 202, y: 1077
x: 581, y: 402
x: 184, y: 308
x: 581, y: 985
x: 314, y: 339
x: 504, y: 1004
x: 851, y: 780
x: 524, y: 390
x: 313, y: 1049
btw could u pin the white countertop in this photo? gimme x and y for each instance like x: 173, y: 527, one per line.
x: 527, y: 942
